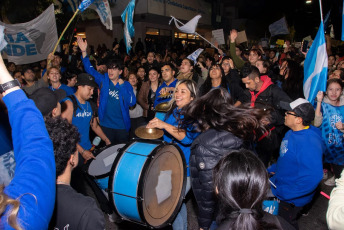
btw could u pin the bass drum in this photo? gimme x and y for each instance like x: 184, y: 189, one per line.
x: 147, y: 182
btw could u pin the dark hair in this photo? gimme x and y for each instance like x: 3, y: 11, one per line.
x: 293, y: 85
x: 249, y: 69
x: 334, y: 80
x: 64, y: 136
x: 207, y: 85
x: 117, y: 63
x: 242, y: 183
x: 170, y: 65
x: 215, y: 110
x: 257, y: 51
x: 154, y: 68
x: 139, y: 81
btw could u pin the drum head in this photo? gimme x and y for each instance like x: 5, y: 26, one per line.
x: 104, y: 160
x: 159, y: 211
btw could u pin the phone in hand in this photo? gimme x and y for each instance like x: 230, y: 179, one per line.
x: 304, y: 46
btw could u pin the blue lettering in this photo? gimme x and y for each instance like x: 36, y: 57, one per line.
x: 9, y: 38
x: 8, y: 50
x: 18, y: 50
x: 30, y: 49
x: 21, y: 38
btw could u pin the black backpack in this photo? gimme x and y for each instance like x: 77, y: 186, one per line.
x: 76, y: 106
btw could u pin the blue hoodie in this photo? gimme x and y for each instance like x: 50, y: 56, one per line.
x: 35, y: 174
x: 299, y: 167
x: 126, y: 94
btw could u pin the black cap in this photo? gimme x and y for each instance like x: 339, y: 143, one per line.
x: 301, y: 107
x: 46, y: 99
x: 86, y: 79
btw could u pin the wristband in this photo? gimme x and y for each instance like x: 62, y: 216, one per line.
x: 9, y: 85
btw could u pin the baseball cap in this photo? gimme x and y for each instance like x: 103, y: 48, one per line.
x: 46, y: 99
x: 86, y: 79
x: 301, y: 107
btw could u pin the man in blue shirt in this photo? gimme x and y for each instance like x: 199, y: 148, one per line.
x: 167, y: 73
x: 298, y: 170
x: 116, y: 96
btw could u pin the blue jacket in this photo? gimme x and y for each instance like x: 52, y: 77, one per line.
x: 159, y: 100
x: 126, y: 93
x: 34, y: 180
x: 298, y: 170
x: 184, y: 144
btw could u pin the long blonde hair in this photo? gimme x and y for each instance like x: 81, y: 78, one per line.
x: 13, y: 212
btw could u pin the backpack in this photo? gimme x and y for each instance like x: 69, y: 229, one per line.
x: 76, y: 106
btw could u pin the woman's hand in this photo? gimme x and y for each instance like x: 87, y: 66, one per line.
x: 156, y: 123
x: 87, y: 155
x: 320, y: 96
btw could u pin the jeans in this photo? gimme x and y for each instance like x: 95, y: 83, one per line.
x: 116, y: 136
x: 181, y: 221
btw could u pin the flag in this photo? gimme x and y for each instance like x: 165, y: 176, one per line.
x: 31, y: 41
x: 3, y: 42
x: 84, y: 4
x: 327, y: 19
x: 279, y: 27
x: 102, y: 7
x: 189, y: 27
x: 195, y: 55
x: 316, y: 66
x: 128, y: 18
x: 343, y: 22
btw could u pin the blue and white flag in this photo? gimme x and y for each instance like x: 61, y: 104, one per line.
x: 3, y: 42
x: 279, y: 27
x: 84, y: 4
x: 128, y: 18
x: 343, y: 22
x: 102, y: 7
x: 316, y: 66
x: 195, y: 55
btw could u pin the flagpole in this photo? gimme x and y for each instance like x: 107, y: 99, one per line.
x: 321, y: 15
x: 199, y: 35
x: 70, y: 21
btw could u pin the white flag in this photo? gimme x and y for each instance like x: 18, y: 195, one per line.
x: 189, y: 27
x: 31, y: 41
x: 103, y: 9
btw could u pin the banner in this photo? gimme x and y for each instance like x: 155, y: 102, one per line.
x: 279, y: 27
x: 32, y: 41
x: 102, y: 7
x: 219, y: 36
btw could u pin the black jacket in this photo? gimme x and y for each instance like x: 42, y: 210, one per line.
x: 206, y: 151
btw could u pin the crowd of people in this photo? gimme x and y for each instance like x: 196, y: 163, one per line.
x: 238, y: 115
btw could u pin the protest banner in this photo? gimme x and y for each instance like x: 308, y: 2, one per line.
x: 32, y: 41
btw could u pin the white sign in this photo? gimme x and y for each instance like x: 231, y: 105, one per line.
x: 219, y: 36
x: 32, y: 41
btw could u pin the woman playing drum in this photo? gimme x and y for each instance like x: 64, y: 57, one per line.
x: 185, y: 92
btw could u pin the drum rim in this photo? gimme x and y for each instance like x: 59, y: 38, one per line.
x: 139, y: 191
x: 112, y: 172
x: 101, y: 150
x: 181, y: 198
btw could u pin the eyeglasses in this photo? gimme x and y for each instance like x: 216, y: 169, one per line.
x: 292, y: 114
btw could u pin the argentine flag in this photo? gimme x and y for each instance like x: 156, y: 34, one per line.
x: 128, y: 18
x: 315, y: 67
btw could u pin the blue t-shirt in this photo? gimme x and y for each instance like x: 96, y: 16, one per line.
x: 113, y: 117
x: 81, y: 120
x: 158, y: 99
x: 66, y: 88
x: 184, y: 144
